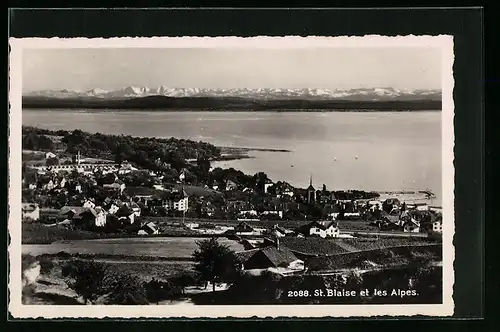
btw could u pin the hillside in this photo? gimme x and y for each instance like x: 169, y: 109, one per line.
x: 158, y: 102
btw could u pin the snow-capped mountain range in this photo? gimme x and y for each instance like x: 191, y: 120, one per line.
x: 262, y: 93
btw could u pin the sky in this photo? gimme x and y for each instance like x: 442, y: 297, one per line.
x: 327, y: 68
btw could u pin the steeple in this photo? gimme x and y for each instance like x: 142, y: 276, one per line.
x: 311, y: 192
x: 311, y: 187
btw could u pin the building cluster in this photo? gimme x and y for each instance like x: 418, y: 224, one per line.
x: 99, y: 195
x: 93, y: 196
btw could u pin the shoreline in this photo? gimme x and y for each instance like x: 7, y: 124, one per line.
x: 191, y: 110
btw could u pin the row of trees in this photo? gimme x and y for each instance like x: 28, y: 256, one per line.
x: 35, y: 141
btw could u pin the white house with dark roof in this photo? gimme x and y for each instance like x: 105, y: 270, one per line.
x: 88, y: 204
x: 178, y: 201
x: 30, y: 211
x: 267, y: 184
x: 322, y: 229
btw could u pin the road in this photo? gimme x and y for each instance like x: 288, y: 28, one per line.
x: 176, y: 221
x: 386, y: 233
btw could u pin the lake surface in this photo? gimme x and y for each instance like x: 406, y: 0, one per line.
x: 155, y: 247
x: 344, y: 150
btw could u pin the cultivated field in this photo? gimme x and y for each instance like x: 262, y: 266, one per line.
x: 174, y: 247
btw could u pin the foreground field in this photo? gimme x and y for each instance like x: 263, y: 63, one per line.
x: 171, y: 247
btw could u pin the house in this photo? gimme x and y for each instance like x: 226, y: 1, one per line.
x: 391, y: 218
x: 49, y: 185
x: 82, y: 216
x: 61, y: 183
x: 412, y: 226
x: 374, y: 205
x: 279, y: 231
x: 231, y: 185
x: 78, y: 188
x: 192, y: 225
x: 135, y: 208
x: 182, y: 176
x: 321, y: 229
x: 70, y: 212
x: 108, y: 178
x: 178, y: 201
x: 391, y: 204
x: 437, y: 226
x: 140, y: 192
x: 248, y: 213
x: 284, y: 189
x: 267, y: 184
x: 248, y: 190
x: 100, y: 216
x: 111, y: 208
x: 271, y: 257
x: 88, y: 204
x: 243, y: 229
x: 148, y: 229
x: 273, y: 212
x: 421, y: 206
x: 30, y: 211
x: 126, y: 168
x: 117, y: 186
x: 125, y: 214
x: 332, y: 211
x: 50, y: 155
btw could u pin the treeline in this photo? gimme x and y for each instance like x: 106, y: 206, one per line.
x: 35, y: 141
x: 148, y: 152
x: 229, y: 103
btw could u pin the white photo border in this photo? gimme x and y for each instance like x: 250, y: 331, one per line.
x: 19, y: 310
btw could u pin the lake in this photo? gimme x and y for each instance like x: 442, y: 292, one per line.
x: 344, y: 150
x: 155, y: 247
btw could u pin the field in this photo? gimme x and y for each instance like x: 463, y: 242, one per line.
x: 163, y: 247
x: 36, y: 233
x: 379, y: 258
x: 330, y: 247
x: 147, y: 270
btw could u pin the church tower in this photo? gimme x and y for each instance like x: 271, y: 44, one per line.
x: 311, y: 192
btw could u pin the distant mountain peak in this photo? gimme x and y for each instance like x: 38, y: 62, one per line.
x: 363, y: 94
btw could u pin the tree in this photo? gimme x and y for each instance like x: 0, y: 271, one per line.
x: 124, y: 290
x: 184, y: 280
x: 87, y: 278
x: 204, y: 168
x: 215, y: 262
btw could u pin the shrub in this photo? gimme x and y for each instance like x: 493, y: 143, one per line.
x: 125, y: 290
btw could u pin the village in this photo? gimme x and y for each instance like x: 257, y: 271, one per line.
x: 271, y: 227
x: 114, y: 198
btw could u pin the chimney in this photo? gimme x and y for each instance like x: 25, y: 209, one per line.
x: 277, y: 241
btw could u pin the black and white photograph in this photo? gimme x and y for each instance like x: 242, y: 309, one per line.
x: 214, y: 177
